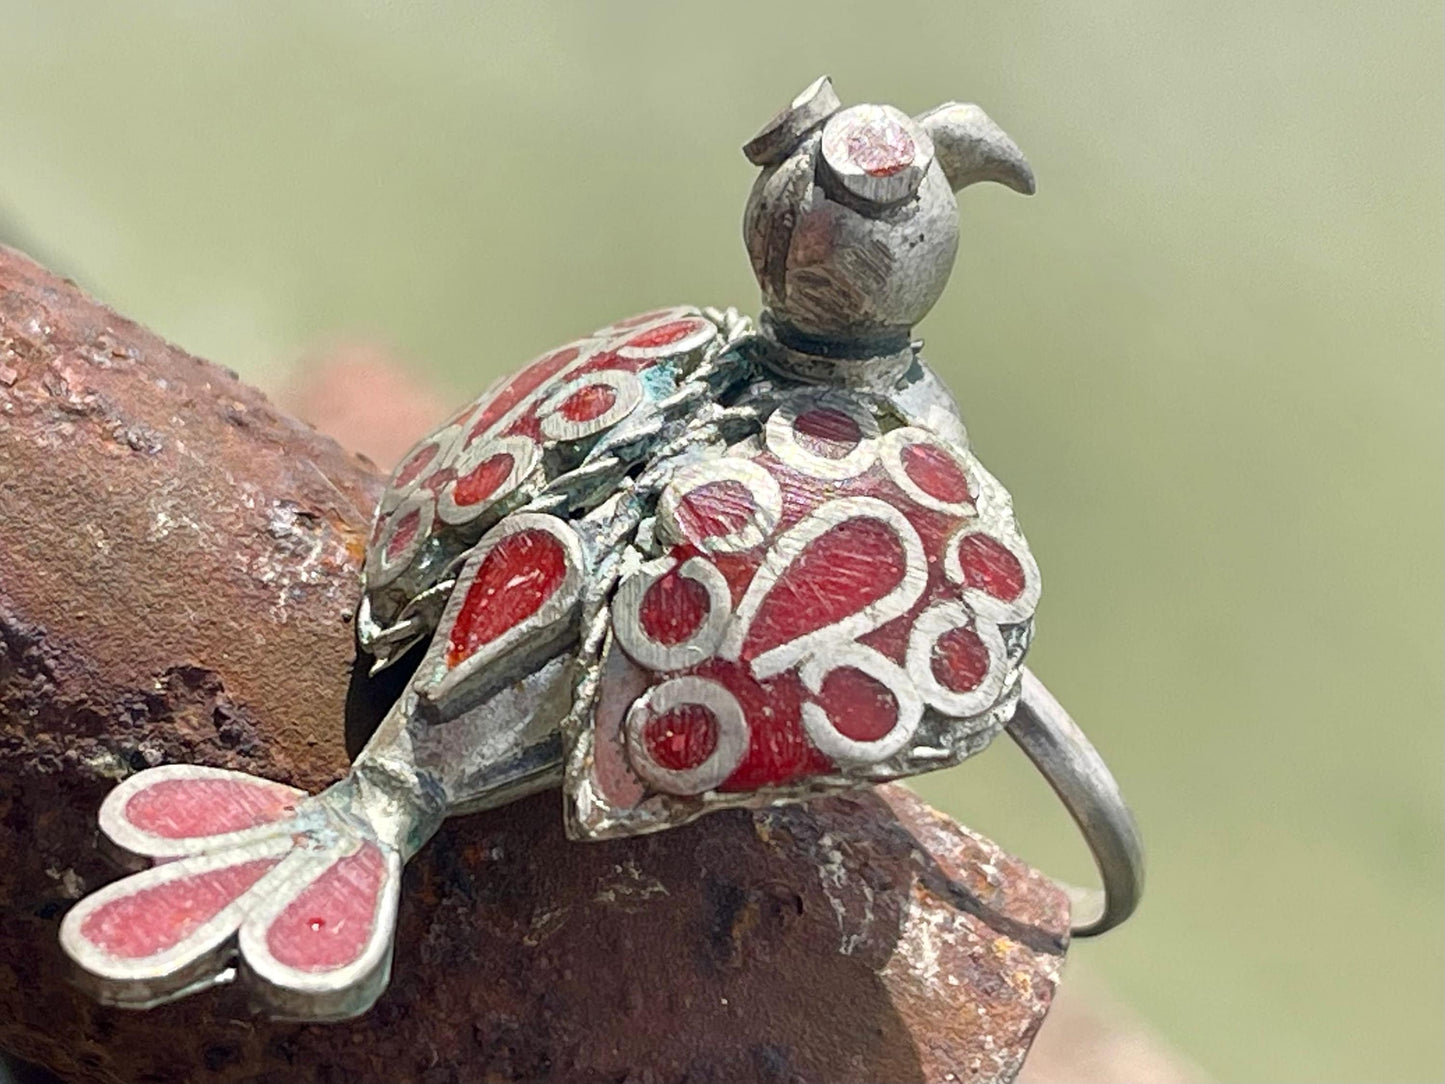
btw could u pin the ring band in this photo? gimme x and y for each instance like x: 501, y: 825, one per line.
x: 1073, y: 767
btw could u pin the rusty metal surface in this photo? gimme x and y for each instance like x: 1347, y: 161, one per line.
x: 177, y: 568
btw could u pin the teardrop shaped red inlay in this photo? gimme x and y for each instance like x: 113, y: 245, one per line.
x: 588, y: 403
x: 520, y: 386
x: 665, y: 334
x: 936, y: 472
x: 155, y: 918
x: 840, y: 572
x: 330, y: 923
x: 859, y: 706
x: 516, y: 578
x: 187, y: 808
x: 960, y: 660
x: 988, y: 565
x: 482, y: 482
x: 414, y: 465
x: 673, y: 608
x: 404, y: 535
x: 681, y: 738
x: 827, y: 433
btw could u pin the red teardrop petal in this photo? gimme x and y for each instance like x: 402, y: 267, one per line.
x: 588, y: 403
x: 484, y: 480
x: 155, y: 918
x: 988, y: 565
x: 960, y: 660
x: 329, y: 924
x: 404, y: 535
x: 673, y: 608
x: 837, y: 574
x: 681, y: 738
x: 828, y: 433
x: 859, y: 706
x: 664, y: 334
x: 520, y: 386
x: 936, y: 473
x: 415, y: 464
x: 185, y: 808
x: 521, y: 572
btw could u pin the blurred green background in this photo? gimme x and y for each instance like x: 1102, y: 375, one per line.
x: 1206, y: 358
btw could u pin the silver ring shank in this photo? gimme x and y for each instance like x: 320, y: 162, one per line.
x: 1059, y: 749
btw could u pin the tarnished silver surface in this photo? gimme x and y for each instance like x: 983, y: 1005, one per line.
x: 528, y: 536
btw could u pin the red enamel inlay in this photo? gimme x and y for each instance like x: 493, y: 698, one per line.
x: 859, y: 706
x: 881, y: 147
x: 828, y: 433
x: 415, y: 464
x: 185, y: 808
x: 329, y: 924
x: 936, y: 473
x: 483, y: 480
x: 778, y: 747
x: 664, y: 334
x: 156, y: 918
x: 516, y: 578
x: 640, y: 319
x: 589, y: 403
x: 404, y: 535
x: 837, y: 574
x: 673, y: 608
x: 988, y: 564
x: 716, y: 508
x: 681, y: 738
x: 520, y: 386
x: 960, y: 660
x: 438, y: 479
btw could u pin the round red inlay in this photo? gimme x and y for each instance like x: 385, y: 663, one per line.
x: 516, y: 578
x: 482, y: 481
x: 960, y: 660
x: 404, y: 535
x: 989, y: 566
x: 589, y: 403
x: 714, y: 508
x: 859, y: 706
x: 681, y: 738
x: 880, y: 147
x: 673, y: 608
x: 664, y: 334
x: 827, y: 433
x: 936, y: 473
x: 414, y: 465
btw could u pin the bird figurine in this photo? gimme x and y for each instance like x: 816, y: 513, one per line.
x: 684, y: 563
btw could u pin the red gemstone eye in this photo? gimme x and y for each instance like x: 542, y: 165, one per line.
x: 404, y: 535
x: 960, y: 660
x: 989, y: 566
x: 412, y: 468
x: 682, y: 738
x: 589, y: 403
x: 881, y: 147
x: 484, y: 480
x: 828, y: 433
x: 936, y: 472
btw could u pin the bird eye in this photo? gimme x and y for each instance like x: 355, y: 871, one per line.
x: 876, y: 152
